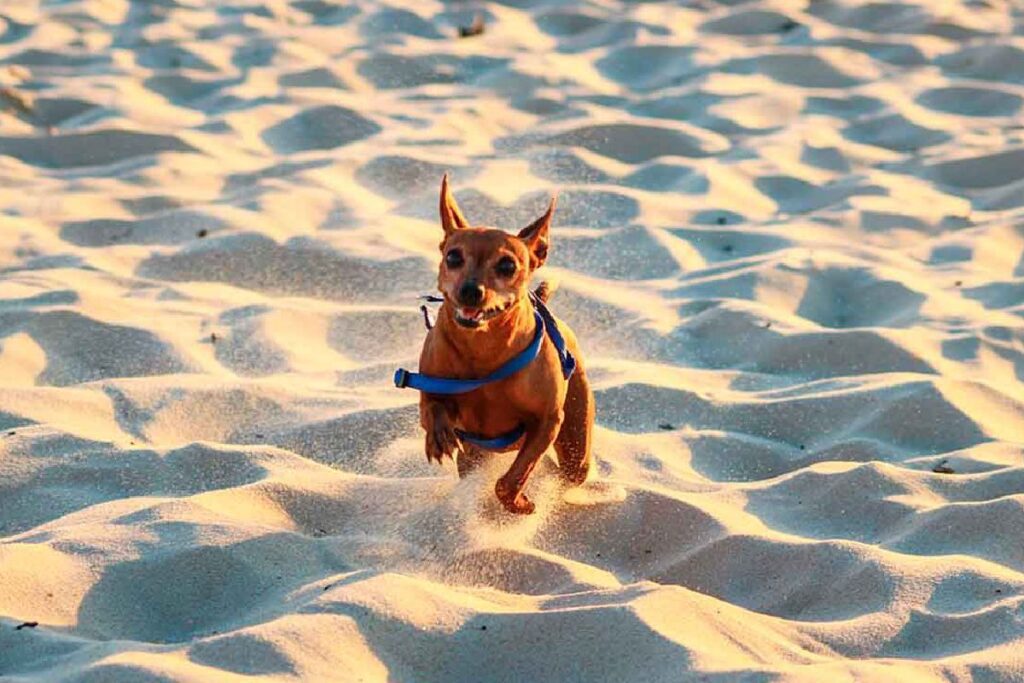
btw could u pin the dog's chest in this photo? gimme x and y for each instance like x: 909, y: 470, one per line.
x: 500, y: 407
x: 491, y: 408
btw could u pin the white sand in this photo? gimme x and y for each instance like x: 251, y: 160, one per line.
x: 790, y: 239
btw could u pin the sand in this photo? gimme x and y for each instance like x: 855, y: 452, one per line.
x: 790, y: 238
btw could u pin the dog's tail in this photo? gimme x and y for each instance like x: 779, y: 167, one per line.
x: 545, y: 290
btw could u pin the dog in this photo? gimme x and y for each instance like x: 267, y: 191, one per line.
x: 498, y: 372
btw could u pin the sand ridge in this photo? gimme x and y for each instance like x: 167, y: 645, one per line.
x: 789, y: 237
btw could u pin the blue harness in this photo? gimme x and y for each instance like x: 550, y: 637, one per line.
x: 448, y: 386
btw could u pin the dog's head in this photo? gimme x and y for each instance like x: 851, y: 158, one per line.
x: 485, y: 271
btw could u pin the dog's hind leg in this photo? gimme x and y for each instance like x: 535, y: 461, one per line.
x: 573, y: 444
x: 468, y: 459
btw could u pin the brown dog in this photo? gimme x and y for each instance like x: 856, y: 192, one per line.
x: 486, y: 320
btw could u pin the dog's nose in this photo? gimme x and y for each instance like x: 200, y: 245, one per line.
x: 471, y: 293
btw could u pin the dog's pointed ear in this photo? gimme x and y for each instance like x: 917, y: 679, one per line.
x: 451, y: 217
x: 536, y: 235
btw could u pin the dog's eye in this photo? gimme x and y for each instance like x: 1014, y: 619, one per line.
x: 453, y: 259
x: 505, y: 267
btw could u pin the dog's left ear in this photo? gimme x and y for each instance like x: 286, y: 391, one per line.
x: 536, y: 236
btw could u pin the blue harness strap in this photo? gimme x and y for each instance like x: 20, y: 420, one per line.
x: 448, y: 386
x: 494, y: 444
x: 564, y: 356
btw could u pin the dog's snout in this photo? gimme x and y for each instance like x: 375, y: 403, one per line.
x: 471, y: 293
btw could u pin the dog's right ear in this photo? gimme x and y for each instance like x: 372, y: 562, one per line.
x: 451, y: 218
x: 536, y: 236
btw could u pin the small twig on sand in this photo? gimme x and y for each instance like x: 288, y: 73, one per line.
x: 17, y: 100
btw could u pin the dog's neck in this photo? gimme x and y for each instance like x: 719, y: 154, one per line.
x: 486, y: 349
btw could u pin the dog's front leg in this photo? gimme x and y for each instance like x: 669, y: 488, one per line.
x: 539, y: 438
x: 436, y: 419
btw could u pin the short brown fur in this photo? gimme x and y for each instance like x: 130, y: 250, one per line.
x: 554, y: 411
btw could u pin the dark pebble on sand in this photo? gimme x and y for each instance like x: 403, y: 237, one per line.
x: 474, y: 29
x: 666, y: 426
x: 202, y: 233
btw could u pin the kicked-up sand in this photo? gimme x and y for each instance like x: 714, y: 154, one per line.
x: 790, y: 238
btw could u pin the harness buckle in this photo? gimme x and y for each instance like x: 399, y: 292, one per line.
x: 401, y: 378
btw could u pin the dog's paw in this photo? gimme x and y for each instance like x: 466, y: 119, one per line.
x: 515, y: 501
x: 441, y: 441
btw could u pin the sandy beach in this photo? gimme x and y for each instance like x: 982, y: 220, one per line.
x: 790, y: 238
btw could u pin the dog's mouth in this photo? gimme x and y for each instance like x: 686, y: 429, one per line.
x: 469, y: 316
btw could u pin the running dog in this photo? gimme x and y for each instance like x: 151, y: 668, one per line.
x: 498, y: 371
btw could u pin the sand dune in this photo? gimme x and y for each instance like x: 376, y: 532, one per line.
x: 789, y: 237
